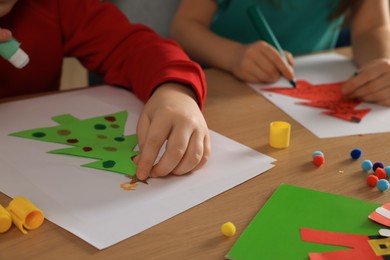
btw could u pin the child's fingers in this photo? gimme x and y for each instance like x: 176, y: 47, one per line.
x: 176, y: 148
x: 278, y: 62
x: 206, y: 152
x: 376, y: 90
x: 192, y: 156
x: 151, y: 144
x: 290, y: 58
x: 5, y: 35
x: 362, y: 78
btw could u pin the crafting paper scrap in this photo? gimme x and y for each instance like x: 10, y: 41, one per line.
x: 358, y: 246
x: 381, y: 218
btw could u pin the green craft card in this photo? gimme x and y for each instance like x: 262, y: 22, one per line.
x: 274, y: 233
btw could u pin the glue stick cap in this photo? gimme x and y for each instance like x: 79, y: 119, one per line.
x: 25, y: 214
x: 279, y: 136
x: 19, y: 59
x: 5, y: 220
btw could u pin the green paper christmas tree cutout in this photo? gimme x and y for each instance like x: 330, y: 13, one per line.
x: 98, y: 138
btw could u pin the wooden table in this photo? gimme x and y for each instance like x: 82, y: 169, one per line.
x: 238, y: 112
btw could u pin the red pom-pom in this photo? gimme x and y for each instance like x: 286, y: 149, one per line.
x: 372, y: 180
x: 318, y: 160
x: 380, y: 173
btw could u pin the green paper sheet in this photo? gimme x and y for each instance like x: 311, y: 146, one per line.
x: 274, y: 231
x: 99, y: 138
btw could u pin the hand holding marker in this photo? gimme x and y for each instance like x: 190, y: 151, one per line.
x: 265, y: 32
x: 11, y: 51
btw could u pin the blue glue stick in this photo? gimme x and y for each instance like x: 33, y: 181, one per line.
x: 11, y: 51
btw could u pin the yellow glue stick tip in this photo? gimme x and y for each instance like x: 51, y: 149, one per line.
x: 228, y: 229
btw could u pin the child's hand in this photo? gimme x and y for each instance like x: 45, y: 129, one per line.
x: 5, y: 35
x: 171, y: 114
x: 372, y: 84
x: 261, y: 62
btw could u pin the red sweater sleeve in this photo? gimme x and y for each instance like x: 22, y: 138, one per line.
x: 125, y: 54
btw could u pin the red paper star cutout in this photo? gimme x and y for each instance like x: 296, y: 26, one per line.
x: 325, y: 96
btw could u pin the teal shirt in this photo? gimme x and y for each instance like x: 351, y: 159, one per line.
x: 301, y: 26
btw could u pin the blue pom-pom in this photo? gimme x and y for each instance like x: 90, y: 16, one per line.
x: 366, y: 165
x: 387, y: 170
x: 317, y: 153
x: 383, y: 185
x: 356, y: 153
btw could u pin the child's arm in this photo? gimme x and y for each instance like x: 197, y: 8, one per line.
x: 370, y: 31
x: 257, y: 62
x: 157, y: 70
x: 172, y: 114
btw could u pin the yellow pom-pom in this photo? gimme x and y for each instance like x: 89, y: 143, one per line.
x: 228, y: 229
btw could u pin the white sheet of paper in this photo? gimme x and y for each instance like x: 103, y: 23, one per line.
x: 326, y: 68
x: 89, y: 202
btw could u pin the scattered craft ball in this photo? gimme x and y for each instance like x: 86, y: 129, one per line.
x: 318, y: 160
x: 377, y: 164
x: 380, y: 173
x: 372, y: 180
x: 383, y: 185
x: 366, y: 165
x: 356, y: 153
x: 387, y: 170
x: 317, y: 153
x: 228, y: 229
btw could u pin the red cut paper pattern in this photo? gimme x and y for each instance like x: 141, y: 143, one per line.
x: 360, y: 246
x: 326, y: 96
x: 379, y: 218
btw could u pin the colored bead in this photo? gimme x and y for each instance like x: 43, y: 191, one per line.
x: 366, y: 165
x: 380, y: 173
x: 228, y: 229
x: 356, y: 153
x: 372, y: 180
x: 319, y: 160
x: 383, y: 185
x: 317, y: 153
x: 387, y: 170
x: 377, y: 164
